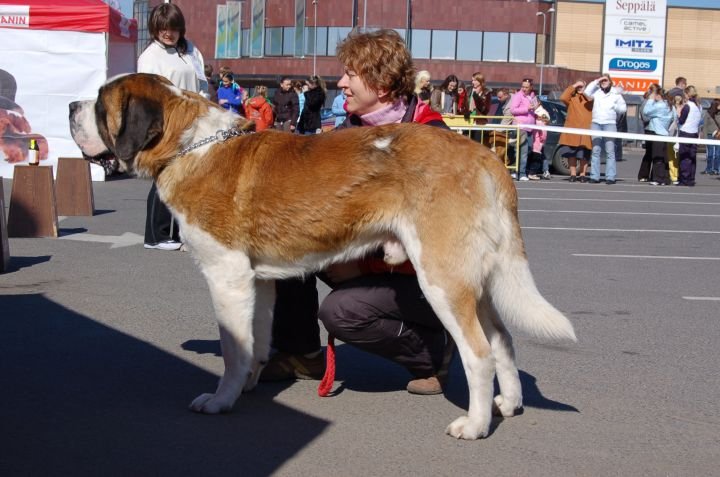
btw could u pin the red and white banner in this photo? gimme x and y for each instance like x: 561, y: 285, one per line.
x: 91, y: 16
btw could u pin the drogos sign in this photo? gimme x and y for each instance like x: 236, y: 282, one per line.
x: 630, y: 64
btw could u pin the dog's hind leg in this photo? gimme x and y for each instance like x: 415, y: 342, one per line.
x: 232, y: 287
x: 510, y: 398
x: 456, y: 306
x: 262, y: 329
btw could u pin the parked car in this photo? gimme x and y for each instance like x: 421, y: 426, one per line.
x: 552, y: 150
x: 327, y: 119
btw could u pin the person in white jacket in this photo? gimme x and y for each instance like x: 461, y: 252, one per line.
x: 173, y: 56
x: 607, y: 105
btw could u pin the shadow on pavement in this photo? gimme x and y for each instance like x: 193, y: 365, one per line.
x: 80, y: 398
x: 17, y: 263
x: 203, y: 346
x: 64, y: 232
x: 363, y: 372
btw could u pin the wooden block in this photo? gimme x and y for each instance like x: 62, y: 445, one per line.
x: 73, y: 187
x: 33, y: 212
x: 5, y: 244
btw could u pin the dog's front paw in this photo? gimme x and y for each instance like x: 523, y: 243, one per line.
x: 505, y: 406
x: 466, y: 428
x: 209, y: 403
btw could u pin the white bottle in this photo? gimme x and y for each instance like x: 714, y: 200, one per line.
x: 34, y: 153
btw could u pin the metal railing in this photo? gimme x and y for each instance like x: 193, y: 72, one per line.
x: 499, y: 138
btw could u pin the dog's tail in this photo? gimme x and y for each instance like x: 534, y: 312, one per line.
x: 519, y: 303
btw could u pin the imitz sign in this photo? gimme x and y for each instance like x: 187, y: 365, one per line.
x: 634, y: 46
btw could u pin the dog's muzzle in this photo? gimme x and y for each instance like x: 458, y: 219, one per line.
x: 84, y: 130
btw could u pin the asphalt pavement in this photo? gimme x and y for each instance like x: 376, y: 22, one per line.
x: 103, y: 345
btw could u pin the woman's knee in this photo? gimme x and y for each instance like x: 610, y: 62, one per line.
x: 339, y: 313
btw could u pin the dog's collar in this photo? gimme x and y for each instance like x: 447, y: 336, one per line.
x: 221, y: 135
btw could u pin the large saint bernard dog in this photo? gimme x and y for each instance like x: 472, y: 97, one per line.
x: 254, y: 208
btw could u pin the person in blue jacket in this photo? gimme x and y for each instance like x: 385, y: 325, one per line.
x: 338, y: 108
x: 659, y: 112
x: 230, y: 94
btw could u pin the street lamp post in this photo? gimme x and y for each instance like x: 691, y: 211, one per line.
x: 544, y: 53
x: 364, y: 15
x: 315, y: 2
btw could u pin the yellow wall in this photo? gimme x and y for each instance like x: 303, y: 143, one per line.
x: 692, y: 49
x: 578, y: 34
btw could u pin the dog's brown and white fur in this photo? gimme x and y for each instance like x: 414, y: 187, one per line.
x: 274, y: 205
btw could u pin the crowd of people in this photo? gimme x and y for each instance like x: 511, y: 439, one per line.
x: 597, y: 106
x: 295, y: 106
x: 372, y: 306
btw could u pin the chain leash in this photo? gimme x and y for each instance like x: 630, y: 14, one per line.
x: 221, y: 135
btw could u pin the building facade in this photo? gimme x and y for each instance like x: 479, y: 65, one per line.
x: 557, y: 41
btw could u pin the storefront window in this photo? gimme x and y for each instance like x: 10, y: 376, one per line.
x: 322, y: 38
x: 335, y: 36
x: 469, y: 45
x: 257, y: 29
x: 495, y: 46
x: 443, y: 44
x: 522, y: 47
x: 299, y: 28
x: 420, y: 43
x: 288, y: 41
x: 273, y: 41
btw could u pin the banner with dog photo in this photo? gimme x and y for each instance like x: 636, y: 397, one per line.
x: 52, y: 53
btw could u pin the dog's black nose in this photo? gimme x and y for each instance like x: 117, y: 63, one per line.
x: 73, y: 106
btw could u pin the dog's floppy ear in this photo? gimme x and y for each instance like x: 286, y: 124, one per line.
x: 142, y: 121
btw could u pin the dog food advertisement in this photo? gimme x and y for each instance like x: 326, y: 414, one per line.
x: 54, y: 52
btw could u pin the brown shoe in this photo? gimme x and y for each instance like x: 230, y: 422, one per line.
x: 435, y: 384
x: 425, y: 386
x: 283, y: 366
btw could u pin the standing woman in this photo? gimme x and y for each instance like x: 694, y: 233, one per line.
x: 660, y: 114
x: 644, y: 172
x: 444, y: 99
x: 479, y: 98
x: 423, y: 87
x: 689, y: 126
x: 170, y: 55
x: 579, y: 115
x: 299, y: 89
x: 309, y: 122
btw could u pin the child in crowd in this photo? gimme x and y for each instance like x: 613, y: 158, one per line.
x: 230, y: 94
x: 259, y: 110
x: 538, y: 141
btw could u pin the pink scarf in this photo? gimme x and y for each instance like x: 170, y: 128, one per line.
x: 392, y: 113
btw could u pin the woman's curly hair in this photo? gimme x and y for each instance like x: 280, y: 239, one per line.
x: 382, y: 61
